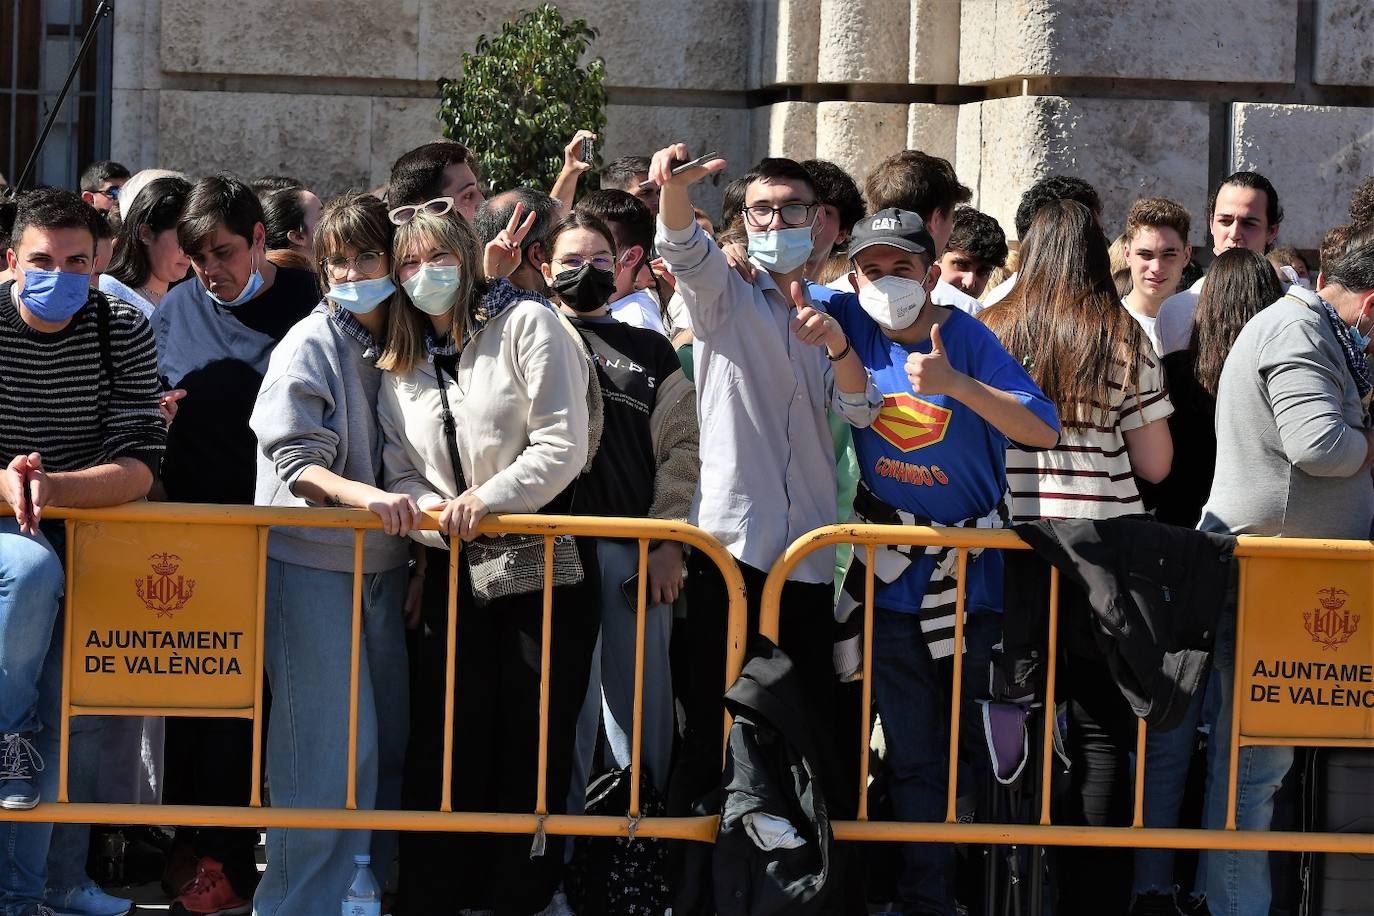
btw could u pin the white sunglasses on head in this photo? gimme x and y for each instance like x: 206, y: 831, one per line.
x: 438, y: 206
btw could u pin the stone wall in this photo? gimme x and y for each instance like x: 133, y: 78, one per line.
x: 1163, y: 98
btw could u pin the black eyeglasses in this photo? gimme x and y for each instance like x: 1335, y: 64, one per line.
x: 792, y: 215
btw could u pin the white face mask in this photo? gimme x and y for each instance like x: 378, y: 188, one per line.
x: 894, y: 302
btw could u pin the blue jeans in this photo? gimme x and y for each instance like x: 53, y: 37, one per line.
x: 912, y: 693
x: 1167, y: 755
x: 309, y: 641
x: 70, y: 842
x: 612, y: 685
x: 31, y: 585
x: 1237, y: 883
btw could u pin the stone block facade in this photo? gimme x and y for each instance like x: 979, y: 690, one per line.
x: 1162, y: 99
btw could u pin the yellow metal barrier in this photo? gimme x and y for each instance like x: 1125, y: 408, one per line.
x: 1277, y: 575
x: 126, y: 575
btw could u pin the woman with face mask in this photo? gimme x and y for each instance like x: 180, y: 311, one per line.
x: 315, y: 420
x: 645, y: 467
x: 484, y: 408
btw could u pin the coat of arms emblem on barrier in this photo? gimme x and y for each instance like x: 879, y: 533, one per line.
x: 1330, y: 626
x: 164, y: 592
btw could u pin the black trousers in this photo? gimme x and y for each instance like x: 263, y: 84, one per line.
x: 806, y: 633
x: 1095, y: 881
x: 495, y: 739
x: 209, y: 762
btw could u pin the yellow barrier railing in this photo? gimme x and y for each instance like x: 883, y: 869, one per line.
x: 1357, y: 558
x: 120, y: 526
x: 254, y: 523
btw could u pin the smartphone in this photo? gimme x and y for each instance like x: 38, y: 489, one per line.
x: 679, y: 169
x: 630, y: 589
x: 588, y: 150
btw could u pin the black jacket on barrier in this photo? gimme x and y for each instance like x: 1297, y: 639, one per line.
x: 1149, y: 595
x: 771, y: 769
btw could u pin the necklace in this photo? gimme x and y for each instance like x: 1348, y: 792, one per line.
x: 148, y: 294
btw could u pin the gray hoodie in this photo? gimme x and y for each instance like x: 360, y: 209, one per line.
x: 318, y: 406
x: 1290, y: 440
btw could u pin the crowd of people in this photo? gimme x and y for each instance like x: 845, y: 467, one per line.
x: 816, y: 352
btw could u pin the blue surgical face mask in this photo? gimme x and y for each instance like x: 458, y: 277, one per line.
x: 361, y: 296
x: 433, y: 288
x: 781, y: 250
x: 250, y: 289
x: 1359, y: 338
x: 54, y: 295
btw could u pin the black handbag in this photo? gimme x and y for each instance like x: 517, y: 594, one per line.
x: 506, y: 564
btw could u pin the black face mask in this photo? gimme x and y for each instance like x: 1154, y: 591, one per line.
x: 585, y: 289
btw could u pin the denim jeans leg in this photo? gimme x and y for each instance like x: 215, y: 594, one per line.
x: 1237, y: 883
x: 70, y: 842
x: 1167, y: 755
x: 913, y: 702
x: 384, y: 644
x: 308, y: 646
x: 619, y: 561
x: 31, y: 583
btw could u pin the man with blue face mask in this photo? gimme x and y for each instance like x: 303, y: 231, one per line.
x: 953, y: 401
x: 768, y: 364
x: 215, y: 334
x: 79, y: 426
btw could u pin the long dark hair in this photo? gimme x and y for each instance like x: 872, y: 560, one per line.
x: 283, y: 211
x: 158, y: 206
x: 1063, y: 318
x: 1239, y: 283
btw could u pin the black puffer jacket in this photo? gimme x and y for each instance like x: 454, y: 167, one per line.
x: 1149, y: 594
x: 771, y: 769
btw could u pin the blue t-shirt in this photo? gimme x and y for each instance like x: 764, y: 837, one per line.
x: 929, y: 454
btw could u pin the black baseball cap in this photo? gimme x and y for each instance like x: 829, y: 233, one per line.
x: 900, y: 229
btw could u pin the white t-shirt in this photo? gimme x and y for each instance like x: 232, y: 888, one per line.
x: 943, y: 294
x: 1147, y: 324
x: 999, y: 292
x: 640, y: 310
x: 678, y: 315
x: 1174, y: 326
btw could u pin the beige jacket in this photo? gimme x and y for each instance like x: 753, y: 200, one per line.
x: 520, y: 403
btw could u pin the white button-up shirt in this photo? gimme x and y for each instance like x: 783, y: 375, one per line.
x: 767, y: 455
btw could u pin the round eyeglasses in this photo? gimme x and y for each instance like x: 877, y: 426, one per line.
x: 367, y: 262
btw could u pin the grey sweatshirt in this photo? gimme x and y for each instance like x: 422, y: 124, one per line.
x: 1290, y: 441
x: 318, y: 406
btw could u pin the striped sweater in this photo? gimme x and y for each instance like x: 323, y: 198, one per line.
x: 58, y: 399
x: 1088, y: 474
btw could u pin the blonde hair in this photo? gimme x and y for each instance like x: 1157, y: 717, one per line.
x: 406, y: 325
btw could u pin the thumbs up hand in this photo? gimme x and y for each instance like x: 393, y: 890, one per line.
x: 931, y: 373
x: 814, y: 327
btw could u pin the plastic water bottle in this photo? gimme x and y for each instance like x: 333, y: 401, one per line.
x: 363, y: 897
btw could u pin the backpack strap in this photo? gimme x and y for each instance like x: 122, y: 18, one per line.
x: 102, y: 333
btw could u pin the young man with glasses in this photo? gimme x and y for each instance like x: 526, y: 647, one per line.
x: 101, y: 182
x: 215, y: 334
x: 768, y: 365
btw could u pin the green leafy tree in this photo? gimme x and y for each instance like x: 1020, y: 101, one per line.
x: 522, y: 96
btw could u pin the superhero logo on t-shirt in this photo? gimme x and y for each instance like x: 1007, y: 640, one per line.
x: 909, y: 423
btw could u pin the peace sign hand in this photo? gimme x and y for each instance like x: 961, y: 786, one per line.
x: 502, y: 255
x: 931, y: 373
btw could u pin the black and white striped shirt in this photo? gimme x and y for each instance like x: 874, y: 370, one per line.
x: 58, y: 398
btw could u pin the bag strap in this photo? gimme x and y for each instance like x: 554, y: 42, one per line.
x: 450, y: 424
